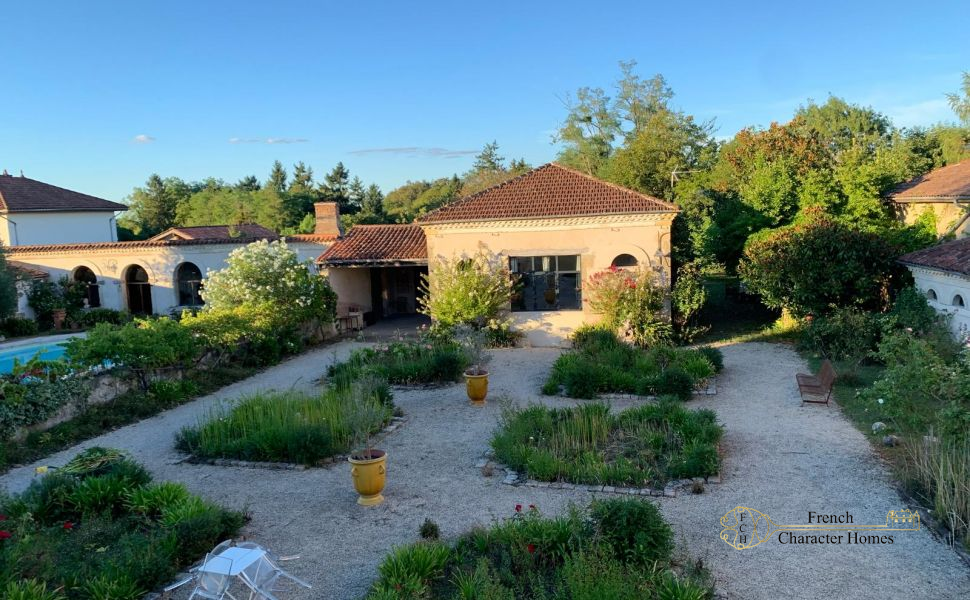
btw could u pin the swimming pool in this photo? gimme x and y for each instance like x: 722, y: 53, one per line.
x: 48, y: 351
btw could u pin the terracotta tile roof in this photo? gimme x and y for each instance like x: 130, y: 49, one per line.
x: 551, y: 190
x: 949, y: 182
x: 25, y: 271
x: 82, y: 247
x: 216, y: 232
x: 315, y: 238
x: 369, y: 244
x: 949, y: 256
x: 20, y: 194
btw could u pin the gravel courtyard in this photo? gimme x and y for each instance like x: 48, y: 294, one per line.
x: 780, y: 458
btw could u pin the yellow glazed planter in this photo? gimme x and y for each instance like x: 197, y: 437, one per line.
x: 369, y: 474
x: 477, y: 387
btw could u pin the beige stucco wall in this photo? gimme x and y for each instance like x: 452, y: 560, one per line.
x: 947, y: 214
x: 110, y: 264
x: 352, y: 285
x: 597, y: 240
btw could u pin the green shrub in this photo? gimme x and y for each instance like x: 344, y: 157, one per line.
x: 846, y: 334
x: 913, y: 311
x: 13, y: 327
x: 291, y: 426
x: 33, y: 400
x: 602, y: 363
x: 616, y: 550
x: 588, y: 444
x: 45, y: 296
x: 631, y: 300
x: 687, y: 298
x: 429, y: 530
x: 269, y: 273
x: 406, y: 363
x: 93, y: 316
x: 78, y: 530
x: 471, y: 291
x: 30, y: 589
x: 714, y: 356
x: 634, y: 529
x: 144, y: 347
x: 792, y: 267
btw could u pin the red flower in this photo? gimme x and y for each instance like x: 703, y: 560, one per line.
x: 4, y: 535
x: 532, y: 507
x: 518, y: 508
x: 68, y: 525
x: 3, y: 517
x: 531, y: 548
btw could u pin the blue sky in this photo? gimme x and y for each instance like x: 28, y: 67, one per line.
x: 410, y: 90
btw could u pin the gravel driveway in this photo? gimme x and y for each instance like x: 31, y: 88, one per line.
x: 781, y: 458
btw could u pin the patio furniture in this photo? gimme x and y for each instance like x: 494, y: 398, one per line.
x: 213, y: 578
x: 817, y: 389
x: 263, y: 575
x: 351, y: 320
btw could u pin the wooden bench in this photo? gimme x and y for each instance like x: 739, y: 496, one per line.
x: 817, y: 389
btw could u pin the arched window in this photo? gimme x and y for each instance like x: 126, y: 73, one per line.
x: 92, y: 294
x: 931, y: 294
x: 958, y: 301
x: 625, y: 260
x: 138, y: 291
x: 188, y: 278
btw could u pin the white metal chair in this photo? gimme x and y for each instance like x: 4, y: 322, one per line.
x: 213, y: 578
x: 263, y: 575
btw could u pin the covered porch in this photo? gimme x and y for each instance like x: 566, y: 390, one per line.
x: 377, y: 270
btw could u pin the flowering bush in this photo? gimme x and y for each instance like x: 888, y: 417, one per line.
x: 632, y: 301
x: 472, y: 291
x: 269, y: 273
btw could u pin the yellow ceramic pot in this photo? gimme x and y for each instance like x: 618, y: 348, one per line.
x: 369, y: 472
x: 477, y: 387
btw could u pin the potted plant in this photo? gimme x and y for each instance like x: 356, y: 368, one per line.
x: 476, y: 375
x: 368, y: 466
x: 59, y: 315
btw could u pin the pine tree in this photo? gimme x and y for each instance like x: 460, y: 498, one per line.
x: 335, y: 188
x: 277, y: 178
x: 373, y: 201
x: 248, y: 183
x: 356, y: 192
x: 488, y: 159
x: 302, y: 178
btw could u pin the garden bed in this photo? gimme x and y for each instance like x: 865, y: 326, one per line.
x: 642, y: 447
x: 100, y: 528
x: 292, y: 427
x: 601, y: 363
x: 404, y: 363
x: 618, y: 548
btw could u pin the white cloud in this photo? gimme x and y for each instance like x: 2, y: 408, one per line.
x: 143, y: 138
x: 269, y: 140
x: 925, y: 112
x: 417, y: 151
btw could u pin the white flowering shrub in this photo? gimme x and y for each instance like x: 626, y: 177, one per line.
x: 269, y: 273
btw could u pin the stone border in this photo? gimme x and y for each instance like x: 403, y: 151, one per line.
x: 514, y: 478
x: 391, y: 427
x: 709, y: 390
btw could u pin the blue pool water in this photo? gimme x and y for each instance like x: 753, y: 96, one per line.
x: 48, y: 351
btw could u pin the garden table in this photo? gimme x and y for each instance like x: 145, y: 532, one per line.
x: 241, y: 558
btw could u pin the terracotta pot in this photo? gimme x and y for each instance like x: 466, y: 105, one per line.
x: 477, y: 387
x: 58, y: 315
x: 369, y: 472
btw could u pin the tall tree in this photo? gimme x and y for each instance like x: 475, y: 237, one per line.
x: 248, y: 183
x: 488, y: 159
x: 356, y: 192
x: 373, y: 201
x: 152, y: 208
x: 277, y: 178
x: 302, y: 178
x: 960, y: 101
x: 336, y: 188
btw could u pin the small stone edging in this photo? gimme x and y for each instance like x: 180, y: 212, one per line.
x: 709, y: 390
x: 671, y: 490
x: 283, y: 466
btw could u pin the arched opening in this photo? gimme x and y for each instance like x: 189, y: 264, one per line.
x: 958, y: 301
x: 188, y: 282
x: 931, y: 294
x: 625, y: 260
x: 92, y: 293
x: 138, y: 291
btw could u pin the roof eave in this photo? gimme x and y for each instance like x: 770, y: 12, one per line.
x: 672, y: 211
x: 940, y: 199
x: 381, y: 262
x: 931, y: 268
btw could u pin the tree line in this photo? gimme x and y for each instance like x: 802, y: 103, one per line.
x: 835, y: 157
x: 284, y: 201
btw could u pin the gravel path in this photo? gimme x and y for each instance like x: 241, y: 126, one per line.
x: 781, y: 458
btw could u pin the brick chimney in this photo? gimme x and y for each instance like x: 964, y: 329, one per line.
x: 328, y: 218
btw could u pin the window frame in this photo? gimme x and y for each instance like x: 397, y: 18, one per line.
x: 193, y: 286
x: 519, y: 303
